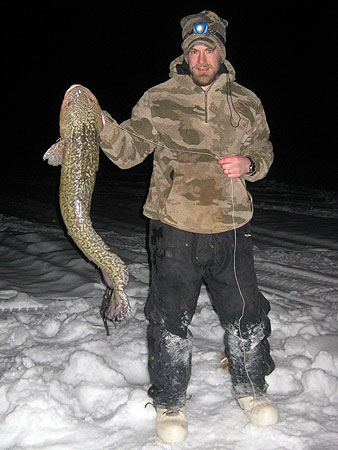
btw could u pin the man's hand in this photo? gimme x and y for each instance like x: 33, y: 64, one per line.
x: 234, y: 166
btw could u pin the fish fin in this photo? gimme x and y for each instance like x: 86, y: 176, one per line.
x: 115, y: 306
x: 54, y: 154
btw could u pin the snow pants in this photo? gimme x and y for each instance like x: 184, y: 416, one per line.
x: 180, y: 262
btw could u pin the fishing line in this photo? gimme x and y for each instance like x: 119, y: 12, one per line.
x: 234, y: 253
x: 157, y: 144
x: 235, y: 242
x: 241, y: 294
x: 149, y: 141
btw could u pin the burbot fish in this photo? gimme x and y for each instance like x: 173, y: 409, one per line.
x: 78, y: 153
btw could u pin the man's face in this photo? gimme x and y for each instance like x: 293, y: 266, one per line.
x: 204, y: 64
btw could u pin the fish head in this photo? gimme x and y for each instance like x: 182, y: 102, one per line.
x: 80, y: 106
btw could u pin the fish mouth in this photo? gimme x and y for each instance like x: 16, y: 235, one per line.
x: 72, y: 87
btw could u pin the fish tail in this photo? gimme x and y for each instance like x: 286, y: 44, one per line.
x: 118, y: 307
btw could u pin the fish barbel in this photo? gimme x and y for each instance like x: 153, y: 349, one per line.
x: 78, y: 153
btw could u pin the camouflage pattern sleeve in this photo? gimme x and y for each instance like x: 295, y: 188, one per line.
x: 257, y: 144
x: 129, y: 143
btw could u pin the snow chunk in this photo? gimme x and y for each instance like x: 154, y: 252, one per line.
x: 86, y: 366
x: 320, y: 385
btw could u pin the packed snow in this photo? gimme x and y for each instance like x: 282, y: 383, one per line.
x: 66, y: 385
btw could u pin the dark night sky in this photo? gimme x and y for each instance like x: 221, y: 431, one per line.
x: 118, y: 52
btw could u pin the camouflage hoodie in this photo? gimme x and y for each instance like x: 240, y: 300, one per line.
x: 187, y: 128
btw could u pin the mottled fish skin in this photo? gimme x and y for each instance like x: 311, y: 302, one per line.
x: 80, y: 125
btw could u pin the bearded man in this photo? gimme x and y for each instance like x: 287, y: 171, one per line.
x: 209, y: 137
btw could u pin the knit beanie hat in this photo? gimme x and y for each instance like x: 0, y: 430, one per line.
x: 204, y: 28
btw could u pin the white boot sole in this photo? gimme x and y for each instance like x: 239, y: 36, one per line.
x: 171, y: 428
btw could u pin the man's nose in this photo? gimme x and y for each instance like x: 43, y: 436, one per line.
x: 202, y: 58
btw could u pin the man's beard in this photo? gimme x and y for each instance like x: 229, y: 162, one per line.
x: 204, y: 79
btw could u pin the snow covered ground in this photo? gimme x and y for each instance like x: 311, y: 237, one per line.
x: 65, y: 385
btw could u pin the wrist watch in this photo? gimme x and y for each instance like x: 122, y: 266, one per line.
x: 252, y: 167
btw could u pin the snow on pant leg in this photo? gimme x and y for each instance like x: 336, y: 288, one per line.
x: 169, y: 365
x: 174, y: 290
x: 242, y: 310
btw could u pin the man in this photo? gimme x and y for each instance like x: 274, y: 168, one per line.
x: 209, y: 135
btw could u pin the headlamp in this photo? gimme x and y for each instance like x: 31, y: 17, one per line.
x: 203, y: 28
x: 200, y: 28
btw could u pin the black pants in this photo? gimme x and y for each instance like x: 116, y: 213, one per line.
x: 180, y: 262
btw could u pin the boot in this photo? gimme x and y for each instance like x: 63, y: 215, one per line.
x: 171, y: 425
x: 260, y: 410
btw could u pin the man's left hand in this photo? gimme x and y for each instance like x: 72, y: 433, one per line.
x: 234, y: 166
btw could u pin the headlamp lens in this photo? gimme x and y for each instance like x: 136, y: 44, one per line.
x: 200, y: 28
